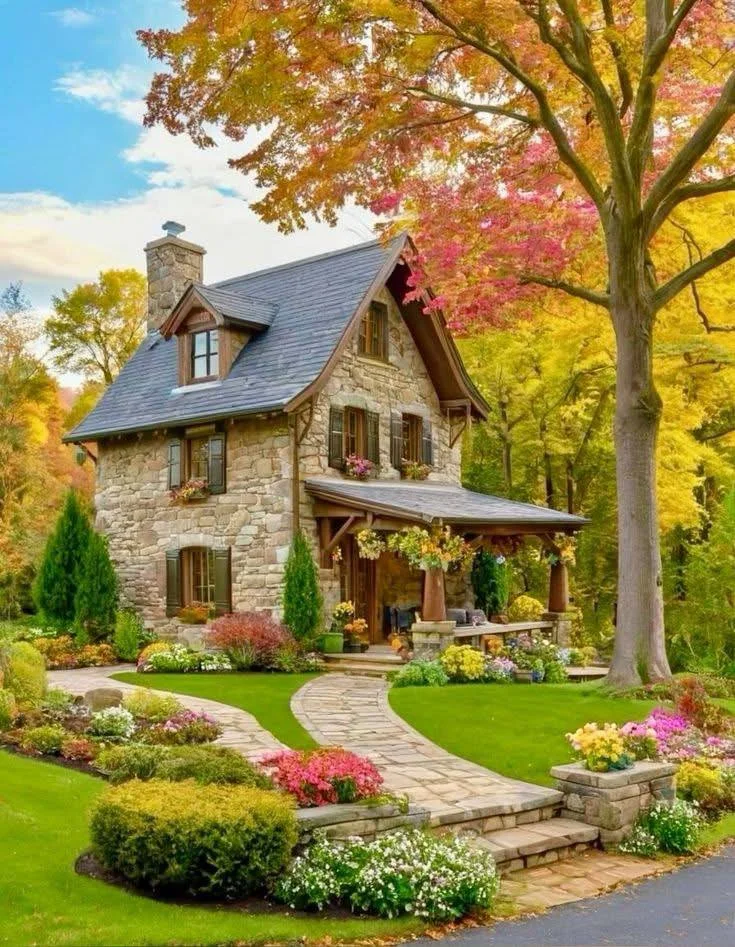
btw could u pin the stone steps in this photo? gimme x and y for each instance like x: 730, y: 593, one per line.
x: 537, y: 844
x: 365, y: 665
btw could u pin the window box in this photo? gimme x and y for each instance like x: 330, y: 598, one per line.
x: 190, y: 492
x: 414, y: 470
x: 198, y: 613
x: 359, y: 468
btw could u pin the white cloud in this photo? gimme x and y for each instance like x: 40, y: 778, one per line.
x: 118, y: 91
x: 73, y: 16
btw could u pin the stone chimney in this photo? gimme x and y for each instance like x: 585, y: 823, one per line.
x: 172, y: 263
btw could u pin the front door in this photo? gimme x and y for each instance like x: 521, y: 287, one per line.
x: 361, y: 588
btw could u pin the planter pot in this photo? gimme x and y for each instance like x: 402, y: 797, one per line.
x: 364, y: 646
x: 434, y: 607
x: 331, y: 642
x: 523, y: 676
x: 352, y: 647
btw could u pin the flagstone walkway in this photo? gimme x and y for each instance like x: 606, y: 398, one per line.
x: 350, y: 711
x: 240, y: 729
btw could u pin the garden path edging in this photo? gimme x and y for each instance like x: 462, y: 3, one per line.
x: 240, y: 729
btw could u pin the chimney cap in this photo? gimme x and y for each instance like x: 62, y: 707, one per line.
x: 173, y: 229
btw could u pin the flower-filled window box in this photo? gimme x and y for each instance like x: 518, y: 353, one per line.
x: 358, y: 468
x: 190, y: 492
x: 198, y: 613
x: 414, y: 470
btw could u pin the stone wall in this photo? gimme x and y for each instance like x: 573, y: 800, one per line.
x: 614, y: 800
x: 346, y: 820
x: 253, y: 517
x: 171, y: 264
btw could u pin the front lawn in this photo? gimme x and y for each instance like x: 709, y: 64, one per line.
x: 43, y: 827
x: 266, y: 696
x: 515, y: 729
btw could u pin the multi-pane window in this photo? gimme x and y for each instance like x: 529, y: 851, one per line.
x: 198, y: 575
x: 373, y: 337
x: 198, y: 458
x: 354, y: 436
x: 412, y: 432
x: 204, y: 354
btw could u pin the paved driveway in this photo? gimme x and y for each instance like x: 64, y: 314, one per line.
x: 692, y: 907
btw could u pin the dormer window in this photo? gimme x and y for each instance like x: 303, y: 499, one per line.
x: 204, y: 355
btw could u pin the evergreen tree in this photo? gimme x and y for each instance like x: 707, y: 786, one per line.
x: 58, y: 575
x: 96, y: 595
x: 302, y: 597
x: 490, y: 582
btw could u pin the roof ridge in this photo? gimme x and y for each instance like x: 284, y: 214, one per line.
x: 304, y: 260
x: 243, y: 297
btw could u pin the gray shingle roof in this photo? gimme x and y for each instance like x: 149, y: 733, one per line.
x: 236, y: 307
x: 428, y: 502
x: 315, y: 300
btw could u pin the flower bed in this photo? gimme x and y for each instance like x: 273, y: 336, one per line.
x: 63, y: 653
x: 164, y: 657
x: 321, y: 777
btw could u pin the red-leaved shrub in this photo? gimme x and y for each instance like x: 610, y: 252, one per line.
x: 320, y: 777
x: 251, y: 640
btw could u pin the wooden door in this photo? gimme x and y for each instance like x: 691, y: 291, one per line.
x: 361, y: 588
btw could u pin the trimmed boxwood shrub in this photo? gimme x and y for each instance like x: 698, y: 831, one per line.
x: 218, y: 841
x: 204, y: 764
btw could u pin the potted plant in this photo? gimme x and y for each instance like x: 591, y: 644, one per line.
x: 332, y: 641
x: 434, y: 553
x: 358, y: 468
x: 356, y: 636
x: 369, y: 544
x: 198, y: 613
x: 414, y: 470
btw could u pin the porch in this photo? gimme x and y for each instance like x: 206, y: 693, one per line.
x: 385, y: 590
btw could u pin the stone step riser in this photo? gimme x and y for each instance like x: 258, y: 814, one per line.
x: 544, y: 858
x: 538, y: 843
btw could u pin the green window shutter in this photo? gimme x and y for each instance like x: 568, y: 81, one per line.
x: 427, y: 445
x: 174, y: 464
x: 217, y: 463
x: 173, y: 581
x: 336, y: 437
x: 396, y: 439
x: 372, y: 425
x: 222, y: 581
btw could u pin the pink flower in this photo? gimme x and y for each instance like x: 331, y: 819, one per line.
x: 324, y: 776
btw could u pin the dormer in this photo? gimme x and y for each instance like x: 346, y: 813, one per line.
x: 212, y: 325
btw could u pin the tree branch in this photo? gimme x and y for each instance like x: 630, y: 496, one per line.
x: 680, y: 166
x: 624, y: 80
x: 571, y: 289
x: 710, y: 262
x: 548, y: 119
x: 688, y: 192
x: 473, y: 106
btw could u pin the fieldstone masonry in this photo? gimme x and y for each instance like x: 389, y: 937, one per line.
x: 172, y: 264
x: 346, y: 820
x: 612, y: 801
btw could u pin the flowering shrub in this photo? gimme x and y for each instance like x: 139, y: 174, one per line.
x: 438, y: 549
x: 420, y: 673
x: 675, y: 826
x: 251, y: 639
x: 177, y: 657
x: 63, y: 653
x: 462, y: 663
x: 113, y: 723
x: 155, y: 647
x: 78, y: 749
x: 499, y: 670
x: 640, y: 842
x: 324, y: 776
x: 359, y: 468
x: 708, y: 784
x: 533, y: 652
x: 694, y: 705
x: 398, y: 873
x: 369, y: 544
x: 343, y: 612
x: 640, y: 740
x: 525, y: 608
x: 187, y: 726
x: 601, y: 748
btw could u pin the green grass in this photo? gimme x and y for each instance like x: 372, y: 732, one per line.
x: 517, y: 730
x: 43, y: 827
x: 266, y: 696
x: 717, y: 832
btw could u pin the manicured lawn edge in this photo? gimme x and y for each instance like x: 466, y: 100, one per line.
x: 266, y: 696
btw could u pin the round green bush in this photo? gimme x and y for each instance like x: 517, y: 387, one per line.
x: 146, y: 704
x: 46, y: 740
x: 8, y: 709
x: 526, y: 608
x: 211, y: 764
x: 24, y: 670
x: 420, y: 673
x: 218, y: 841
x: 135, y: 761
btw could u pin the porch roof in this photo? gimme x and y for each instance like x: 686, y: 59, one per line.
x: 431, y: 502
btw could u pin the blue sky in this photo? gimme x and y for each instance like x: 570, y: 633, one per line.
x: 83, y: 186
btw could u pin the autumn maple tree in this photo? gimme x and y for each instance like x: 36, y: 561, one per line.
x: 523, y: 134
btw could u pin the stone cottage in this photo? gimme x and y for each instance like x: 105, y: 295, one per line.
x: 230, y: 426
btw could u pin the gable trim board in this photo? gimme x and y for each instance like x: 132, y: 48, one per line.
x: 146, y: 396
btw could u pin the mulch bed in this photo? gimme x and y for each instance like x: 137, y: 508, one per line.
x: 88, y: 865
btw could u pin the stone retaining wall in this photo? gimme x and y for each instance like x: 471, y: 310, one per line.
x: 344, y: 820
x: 612, y: 801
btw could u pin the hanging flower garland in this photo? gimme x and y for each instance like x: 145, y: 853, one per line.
x: 369, y: 544
x: 563, y: 550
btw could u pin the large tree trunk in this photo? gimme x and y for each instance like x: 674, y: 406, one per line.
x: 639, y: 639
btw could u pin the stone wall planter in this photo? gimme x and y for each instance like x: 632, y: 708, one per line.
x: 612, y: 801
x: 344, y: 820
x: 430, y: 638
x: 523, y: 676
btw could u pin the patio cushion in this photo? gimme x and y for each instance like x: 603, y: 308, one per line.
x: 477, y: 616
x: 459, y: 615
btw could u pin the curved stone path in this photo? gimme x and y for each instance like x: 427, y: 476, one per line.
x: 350, y: 711
x: 241, y: 730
